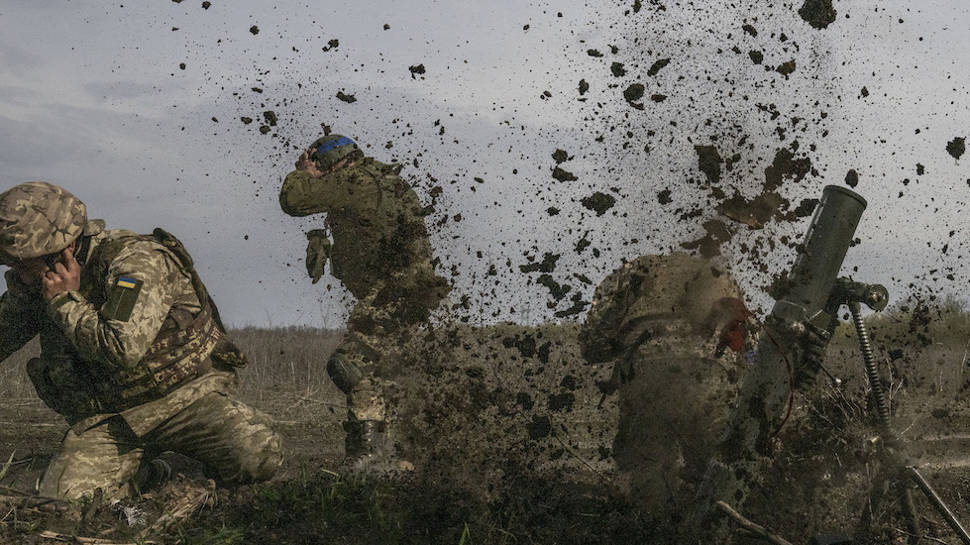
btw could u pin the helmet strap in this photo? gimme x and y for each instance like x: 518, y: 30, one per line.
x: 81, y: 249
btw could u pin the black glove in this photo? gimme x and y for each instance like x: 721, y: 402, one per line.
x: 814, y: 342
x: 317, y: 253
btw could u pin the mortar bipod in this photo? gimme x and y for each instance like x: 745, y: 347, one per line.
x: 876, y: 297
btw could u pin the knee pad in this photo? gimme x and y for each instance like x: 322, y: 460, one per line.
x: 263, y: 464
x: 344, y: 373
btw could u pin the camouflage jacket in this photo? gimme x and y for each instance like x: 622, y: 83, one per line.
x: 377, y: 224
x: 656, y: 297
x: 96, y: 338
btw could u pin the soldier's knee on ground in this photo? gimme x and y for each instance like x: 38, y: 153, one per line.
x: 257, y: 449
x: 262, y: 460
x: 103, y: 457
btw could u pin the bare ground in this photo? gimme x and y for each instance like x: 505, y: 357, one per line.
x: 515, y: 447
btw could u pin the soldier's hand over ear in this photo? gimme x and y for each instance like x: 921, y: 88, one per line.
x: 66, y: 276
x: 317, y: 253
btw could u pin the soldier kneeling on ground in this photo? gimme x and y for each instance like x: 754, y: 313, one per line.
x: 676, y: 328
x: 133, y: 353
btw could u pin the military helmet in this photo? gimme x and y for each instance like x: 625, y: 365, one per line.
x: 329, y: 150
x: 38, y: 219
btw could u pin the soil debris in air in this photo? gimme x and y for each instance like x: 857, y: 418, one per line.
x: 633, y: 93
x: 710, y: 244
x: 345, y: 97
x: 556, y: 290
x: 417, y: 69
x: 785, y: 165
x: 852, y: 178
x: 754, y: 213
x: 709, y: 162
x: 786, y: 68
x: 818, y: 13
x: 657, y: 66
x: 956, y: 147
x: 563, y: 175
x: 599, y: 202
x: 547, y: 265
x: 539, y: 427
x: 769, y: 204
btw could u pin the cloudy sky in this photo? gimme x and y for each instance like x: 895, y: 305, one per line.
x: 136, y: 107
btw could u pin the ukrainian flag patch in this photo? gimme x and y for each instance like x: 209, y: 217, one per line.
x: 121, y: 299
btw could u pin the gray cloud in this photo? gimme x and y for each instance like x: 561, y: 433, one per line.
x: 120, y: 89
x: 17, y: 59
x: 139, y: 145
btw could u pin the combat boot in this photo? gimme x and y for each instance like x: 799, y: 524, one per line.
x: 152, y: 476
x: 369, y: 449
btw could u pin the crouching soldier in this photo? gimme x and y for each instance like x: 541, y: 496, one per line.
x: 133, y: 353
x: 676, y: 329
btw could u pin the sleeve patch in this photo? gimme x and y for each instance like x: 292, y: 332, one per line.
x: 121, y: 299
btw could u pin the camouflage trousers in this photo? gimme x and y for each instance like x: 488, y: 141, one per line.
x: 235, y: 442
x: 674, y: 401
x: 360, y: 368
x: 370, y: 355
x: 379, y: 328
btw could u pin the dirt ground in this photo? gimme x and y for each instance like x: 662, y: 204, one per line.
x: 513, y: 441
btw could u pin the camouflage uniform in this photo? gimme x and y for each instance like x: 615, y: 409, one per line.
x: 382, y: 254
x: 657, y: 318
x: 137, y: 362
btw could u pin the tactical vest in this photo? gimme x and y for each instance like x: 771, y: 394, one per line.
x: 184, y: 348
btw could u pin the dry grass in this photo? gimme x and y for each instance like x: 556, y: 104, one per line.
x: 286, y: 364
x: 287, y: 368
x: 921, y: 355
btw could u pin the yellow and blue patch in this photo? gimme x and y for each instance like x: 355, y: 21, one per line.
x: 121, y: 299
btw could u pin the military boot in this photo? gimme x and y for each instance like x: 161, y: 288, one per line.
x: 152, y: 476
x: 365, y: 438
x: 370, y: 450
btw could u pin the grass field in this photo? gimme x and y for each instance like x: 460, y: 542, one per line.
x: 513, y: 441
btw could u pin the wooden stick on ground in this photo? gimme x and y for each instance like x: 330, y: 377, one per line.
x: 23, y: 500
x: 759, y: 531
x: 67, y: 538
